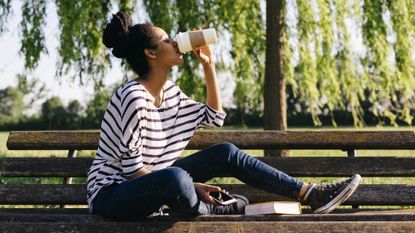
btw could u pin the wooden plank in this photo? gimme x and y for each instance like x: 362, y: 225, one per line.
x: 294, y: 166
x: 273, y: 139
x: 231, y: 227
x: 364, y: 195
x: 45, y: 167
x: 76, y: 194
x: 63, y: 215
x: 43, y: 194
x: 306, y: 211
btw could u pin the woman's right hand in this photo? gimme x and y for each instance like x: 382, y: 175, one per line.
x: 203, y: 191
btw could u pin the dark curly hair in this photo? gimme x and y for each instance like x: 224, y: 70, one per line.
x: 129, y: 41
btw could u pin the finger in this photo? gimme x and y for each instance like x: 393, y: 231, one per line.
x: 209, y: 199
x: 195, y: 52
x: 213, y: 188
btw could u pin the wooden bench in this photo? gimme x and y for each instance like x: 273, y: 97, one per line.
x: 44, y: 218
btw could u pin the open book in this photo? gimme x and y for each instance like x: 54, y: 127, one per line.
x: 274, y: 207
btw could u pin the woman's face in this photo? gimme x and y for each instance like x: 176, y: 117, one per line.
x: 167, y: 52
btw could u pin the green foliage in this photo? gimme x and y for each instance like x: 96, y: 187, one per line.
x: 82, y: 23
x: 378, y: 68
x: 328, y: 76
x: 57, y: 116
x: 242, y: 19
x: 96, y: 107
x: 33, y: 39
x: 329, y: 87
x: 33, y: 89
x: 11, y: 103
x: 53, y: 112
x: 247, y: 29
x: 73, y: 116
x: 307, y: 79
x: 403, y: 76
x: 5, y: 6
x: 352, y: 84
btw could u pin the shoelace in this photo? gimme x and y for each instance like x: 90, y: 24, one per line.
x: 329, y: 186
x: 322, y: 187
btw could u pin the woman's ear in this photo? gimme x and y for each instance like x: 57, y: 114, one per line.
x: 150, y: 53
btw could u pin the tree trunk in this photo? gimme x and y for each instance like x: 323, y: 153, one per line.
x: 275, y: 115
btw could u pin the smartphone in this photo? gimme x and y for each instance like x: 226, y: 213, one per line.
x: 222, y: 198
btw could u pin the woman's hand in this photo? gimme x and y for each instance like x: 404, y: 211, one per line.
x: 203, y: 191
x: 204, y: 55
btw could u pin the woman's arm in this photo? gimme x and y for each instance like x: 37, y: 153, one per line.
x: 205, y: 57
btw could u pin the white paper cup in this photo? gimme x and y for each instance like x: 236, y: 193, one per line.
x: 183, y: 41
x: 210, y: 36
x: 187, y: 41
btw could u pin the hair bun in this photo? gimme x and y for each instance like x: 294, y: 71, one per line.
x: 115, y: 35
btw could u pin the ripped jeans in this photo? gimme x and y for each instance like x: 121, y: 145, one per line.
x: 173, y: 186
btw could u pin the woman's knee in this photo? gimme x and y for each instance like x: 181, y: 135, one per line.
x: 226, y: 148
x: 178, y: 179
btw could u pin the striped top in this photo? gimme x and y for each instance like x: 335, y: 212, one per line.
x: 135, y: 133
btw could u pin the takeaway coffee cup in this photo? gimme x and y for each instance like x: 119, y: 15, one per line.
x: 187, y: 41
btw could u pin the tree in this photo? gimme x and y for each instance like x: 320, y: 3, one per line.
x: 32, y: 88
x: 74, y: 115
x: 11, y: 104
x: 275, y: 115
x: 53, y: 112
x: 96, y: 107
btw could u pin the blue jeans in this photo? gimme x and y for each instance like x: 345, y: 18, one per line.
x: 173, y: 186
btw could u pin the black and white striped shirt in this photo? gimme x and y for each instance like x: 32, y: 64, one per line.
x: 135, y: 133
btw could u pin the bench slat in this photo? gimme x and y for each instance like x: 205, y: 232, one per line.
x: 76, y: 194
x: 82, y: 216
x: 295, y: 166
x: 272, y: 139
x: 223, y: 226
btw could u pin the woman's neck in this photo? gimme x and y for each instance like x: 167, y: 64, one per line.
x: 155, y: 80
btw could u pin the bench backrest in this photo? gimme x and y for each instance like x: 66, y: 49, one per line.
x: 270, y: 139
x: 295, y: 166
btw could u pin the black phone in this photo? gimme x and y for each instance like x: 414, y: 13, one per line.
x: 222, y: 198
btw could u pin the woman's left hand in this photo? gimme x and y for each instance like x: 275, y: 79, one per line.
x: 203, y: 191
x: 204, y: 55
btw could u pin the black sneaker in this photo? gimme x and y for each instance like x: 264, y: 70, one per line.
x: 234, y: 208
x: 324, y: 198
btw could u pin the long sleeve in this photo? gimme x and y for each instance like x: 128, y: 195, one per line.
x: 207, y: 116
x: 131, y: 142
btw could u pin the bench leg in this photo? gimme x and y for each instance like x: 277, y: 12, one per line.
x: 68, y: 180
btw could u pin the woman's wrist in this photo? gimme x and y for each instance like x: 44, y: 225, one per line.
x: 208, y: 65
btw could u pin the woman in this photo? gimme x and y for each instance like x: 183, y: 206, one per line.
x: 149, y: 122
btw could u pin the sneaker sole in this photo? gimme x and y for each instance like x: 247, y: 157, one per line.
x: 343, y: 195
